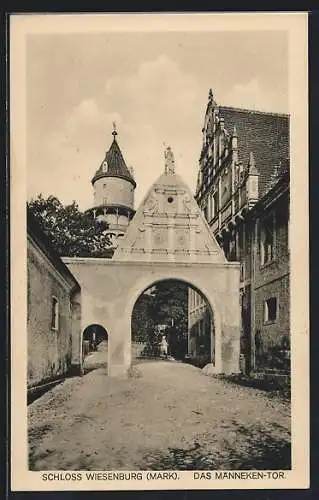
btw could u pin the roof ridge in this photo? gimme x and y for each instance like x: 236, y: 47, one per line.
x: 254, y: 111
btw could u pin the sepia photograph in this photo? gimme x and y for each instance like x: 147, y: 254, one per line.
x: 153, y: 189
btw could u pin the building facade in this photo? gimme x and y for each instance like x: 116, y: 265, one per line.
x: 53, y: 310
x: 243, y: 191
x: 114, y: 186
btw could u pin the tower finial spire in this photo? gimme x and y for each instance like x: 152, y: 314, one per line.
x: 114, y: 133
x: 169, y: 161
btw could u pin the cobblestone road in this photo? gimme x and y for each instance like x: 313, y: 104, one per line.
x: 168, y: 415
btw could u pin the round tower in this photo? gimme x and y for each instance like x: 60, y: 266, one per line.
x: 114, y: 186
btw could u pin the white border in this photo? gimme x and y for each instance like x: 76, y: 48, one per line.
x: 296, y: 26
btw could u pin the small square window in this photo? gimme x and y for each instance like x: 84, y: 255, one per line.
x: 55, y: 314
x: 271, y: 310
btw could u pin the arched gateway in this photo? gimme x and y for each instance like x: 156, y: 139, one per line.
x: 168, y: 238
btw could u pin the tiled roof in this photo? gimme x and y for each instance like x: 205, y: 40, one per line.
x: 264, y: 134
x: 115, y: 163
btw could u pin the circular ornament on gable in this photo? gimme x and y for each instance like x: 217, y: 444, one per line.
x: 181, y: 239
x: 158, y: 238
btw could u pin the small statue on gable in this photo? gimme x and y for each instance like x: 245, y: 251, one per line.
x: 169, y: 161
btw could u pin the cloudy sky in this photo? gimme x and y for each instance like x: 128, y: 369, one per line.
x: 154, y: 85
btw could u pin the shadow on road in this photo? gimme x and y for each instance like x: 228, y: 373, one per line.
x: 255, y: 449
x: 34, y: 435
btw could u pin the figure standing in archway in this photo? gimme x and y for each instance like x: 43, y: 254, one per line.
x: 164, y: 347
x: 94, y: 340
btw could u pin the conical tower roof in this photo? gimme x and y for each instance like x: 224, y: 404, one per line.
x: 114, y: 164
x: 169, y: 226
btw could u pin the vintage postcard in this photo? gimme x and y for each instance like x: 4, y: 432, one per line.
x: 159, y: 251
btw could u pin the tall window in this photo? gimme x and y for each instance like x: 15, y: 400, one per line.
x: 200, y: 178
x: 267, y: 249
x: 242, y: 271
x: 226, y: 247
x: 233, y: 246
x: 55, y: 314
x: 206, y: 211
x: 216, y: 203
x: 104, y: 201
x: 270, y: 310
x: 209, y: 208
x: 240, y: 247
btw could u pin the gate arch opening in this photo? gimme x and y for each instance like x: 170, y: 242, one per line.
x: 93, y: 337
x: 172, y: 319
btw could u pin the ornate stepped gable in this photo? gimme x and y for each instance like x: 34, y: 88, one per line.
x: 169, y: 226
x: 264, y: 133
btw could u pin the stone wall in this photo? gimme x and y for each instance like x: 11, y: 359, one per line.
x: 117, y: 191
x: 272, y: 339
x: 110, y: 289
x: 49, y: 350
x: 272, y: 345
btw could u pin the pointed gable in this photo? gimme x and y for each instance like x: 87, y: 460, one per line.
x: 169, y: 226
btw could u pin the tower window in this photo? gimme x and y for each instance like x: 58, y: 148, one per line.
x: 54, y: 314
x: 104, y: 201
x: 104, y: 185
x: 270, y: 310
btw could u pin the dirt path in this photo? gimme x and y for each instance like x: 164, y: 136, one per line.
x: 168, y: 416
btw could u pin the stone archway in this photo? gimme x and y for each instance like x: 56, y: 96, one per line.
x: 110, y: 290
x: 168, y: 238
x: 179, y: 333
x: 92, y: 336
x: 196, y: 277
